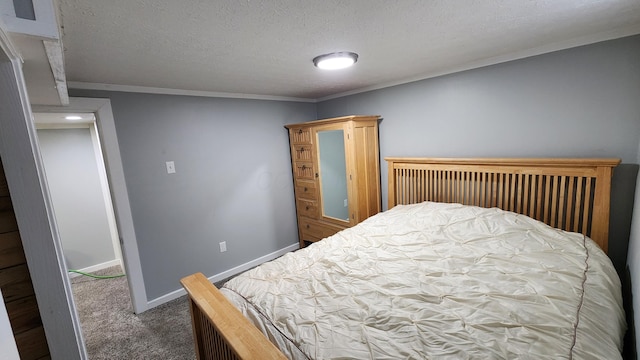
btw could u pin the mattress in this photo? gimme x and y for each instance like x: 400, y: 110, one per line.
x: 434, y: 280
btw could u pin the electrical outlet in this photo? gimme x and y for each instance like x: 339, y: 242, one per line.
x: 171, y: 167
x: 223, y: 246
x: 346, y: 203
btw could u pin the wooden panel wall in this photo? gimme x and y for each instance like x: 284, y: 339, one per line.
x: 15, y: 282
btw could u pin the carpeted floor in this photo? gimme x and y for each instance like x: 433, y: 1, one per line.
x: 112, y: 331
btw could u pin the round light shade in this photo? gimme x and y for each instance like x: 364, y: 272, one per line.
x: 335, y: 61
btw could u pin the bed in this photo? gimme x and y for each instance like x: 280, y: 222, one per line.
x: 475, y: 258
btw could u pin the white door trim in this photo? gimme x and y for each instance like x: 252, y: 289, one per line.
x: 119, y: 195
x: 106, y: 193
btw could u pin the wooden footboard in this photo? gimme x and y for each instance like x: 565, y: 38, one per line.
x: 220, y: 331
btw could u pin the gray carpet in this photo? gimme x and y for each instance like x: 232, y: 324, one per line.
x: 112, y: 331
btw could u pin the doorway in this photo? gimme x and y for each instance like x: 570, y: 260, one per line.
x: 77, y: 180
x: 106, y: 132
x: 81, y: 202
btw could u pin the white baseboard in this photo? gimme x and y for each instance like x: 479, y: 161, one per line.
x: 225, y: 274
x: 97, y: 267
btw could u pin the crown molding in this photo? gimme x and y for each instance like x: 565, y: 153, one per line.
x: 166, y: 91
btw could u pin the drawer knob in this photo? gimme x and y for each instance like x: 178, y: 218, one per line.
x: 305, y: 189
x: 307, y: 207
x: 304, y: 167
x: 301, y: 149
x: 300, y: 131
x: 308, y: 226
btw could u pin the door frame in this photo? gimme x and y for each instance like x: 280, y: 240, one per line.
x: 105, y: 191
x: 119, y: 195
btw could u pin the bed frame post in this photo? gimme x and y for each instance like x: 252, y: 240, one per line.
x: 391, y: 187
x: 602, y: 207
x: 197, y: 330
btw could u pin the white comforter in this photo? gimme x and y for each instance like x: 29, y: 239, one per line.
x: 436, y: 280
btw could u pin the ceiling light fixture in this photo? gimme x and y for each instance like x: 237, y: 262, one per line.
x: 336, y: 60
x: 73, y: 117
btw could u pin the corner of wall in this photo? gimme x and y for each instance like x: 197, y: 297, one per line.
x: 633, y: 271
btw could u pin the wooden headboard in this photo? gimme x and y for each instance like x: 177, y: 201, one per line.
x: 569, y: 194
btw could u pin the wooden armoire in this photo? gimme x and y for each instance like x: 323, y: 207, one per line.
x: 336, y: 174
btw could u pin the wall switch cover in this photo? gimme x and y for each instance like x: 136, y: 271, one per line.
x: 223, y: 246
x: 171, y: 167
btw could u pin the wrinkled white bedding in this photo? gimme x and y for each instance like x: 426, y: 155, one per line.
x: 435, y: 280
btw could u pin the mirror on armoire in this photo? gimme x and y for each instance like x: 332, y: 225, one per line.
x: 333, y: 174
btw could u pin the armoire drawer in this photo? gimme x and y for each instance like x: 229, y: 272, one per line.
x: 304, y: 170
x: 300, y: 135
x: 306, y: 190
x: 303, y: 152
x: 313, y: 230
x: 307, y: 208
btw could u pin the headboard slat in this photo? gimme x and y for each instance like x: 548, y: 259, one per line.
x: 570, y: 194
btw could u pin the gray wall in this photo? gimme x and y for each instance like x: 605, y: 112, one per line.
x: 232, y: 183
x: 633, y: 260
x: 72, y: 173
x: 577, y: 102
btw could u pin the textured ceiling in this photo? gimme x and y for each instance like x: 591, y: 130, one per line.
x: 266, y: 47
